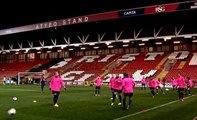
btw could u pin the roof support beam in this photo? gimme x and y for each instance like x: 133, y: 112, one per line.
x: 117, y: 36
x: 177, y: 32
x: 11, y: 46
x: 67, y: 40
x: 136, y: 35
x: 30, y: 44
x: 157, y: 33
x: 20, y: 45
x: 100, y: 37
x: 41, y: 43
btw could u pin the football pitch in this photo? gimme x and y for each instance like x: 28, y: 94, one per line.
x: 79, y: 103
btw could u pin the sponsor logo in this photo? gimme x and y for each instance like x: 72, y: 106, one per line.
x: 159, y: 9
x: 131, y: 12
x: 194, y: 6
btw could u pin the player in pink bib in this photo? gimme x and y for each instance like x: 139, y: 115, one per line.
x: 189, y: 85
x: 181, y: 86
x: 111, y: 85
x: 143, y: 83
x: 117, y: 89
x: 158, y: 86
x: 152, y: 86
x: 99, y: 82
x: 56, y: 84
x: 174, y: 83
x: 128, y: 90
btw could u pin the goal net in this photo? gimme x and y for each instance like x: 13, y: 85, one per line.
x: 29, y: 77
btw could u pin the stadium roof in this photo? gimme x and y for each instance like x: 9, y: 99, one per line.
x: 141, y: 26
x: 26, y: 13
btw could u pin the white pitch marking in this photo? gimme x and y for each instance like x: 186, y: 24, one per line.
x: 126, y: 116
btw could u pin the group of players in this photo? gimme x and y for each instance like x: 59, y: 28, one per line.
x: 124, y: 87
x: 119, y: 85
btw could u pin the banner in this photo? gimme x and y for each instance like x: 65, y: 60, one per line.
x: 173, y: 7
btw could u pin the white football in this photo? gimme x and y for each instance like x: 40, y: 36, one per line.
x: 14, y: 98
x: 11, y: 111
x: 167, y: 89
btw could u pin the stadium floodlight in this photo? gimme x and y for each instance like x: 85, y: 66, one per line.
x: 83, y: 48
x: 110, y: 46
x: 145, y: 39
x: 125, y: 45
x: 176, y: 42
x: 107, y: 43
x: 96, y: 47
x: 158, y: 43
x: 70, y: 49
x: 167, y: 38
x: 91, y: 44
x: 187, y: 36
x: 194, y: 41
x: 126, y: 41
x: 141, y: 44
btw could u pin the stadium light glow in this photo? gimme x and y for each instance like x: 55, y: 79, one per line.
x: 126, y: 41
x: 194, y: 41
x: 126, y: 45
x: 167, y: 38
x: 91, y: 44
x: 141, y: 44
x: 96, y: 47
x: 107, y: 43
x: 110, y: 46
x: 83, y: 48
x: 158, y: 43
x: 145, y: 39
x: 187, y: 36
x: 176, y: 42
x: 59, y: 50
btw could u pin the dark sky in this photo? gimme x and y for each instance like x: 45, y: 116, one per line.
x: 29, y: 12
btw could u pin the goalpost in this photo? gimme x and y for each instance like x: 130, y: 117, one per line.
x: 22, y: 74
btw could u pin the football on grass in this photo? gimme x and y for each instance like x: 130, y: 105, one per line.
x: 14, y: 98
x: 11, y: 111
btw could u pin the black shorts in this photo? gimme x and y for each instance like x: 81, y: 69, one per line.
x: 158, y: 87
x: 128, y: 94
x: 98, y: 87
x: 118, y: 91
x: 56, y: 92
x: 152, y: 88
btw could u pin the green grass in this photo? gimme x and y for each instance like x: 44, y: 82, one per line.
x: 79, y: 103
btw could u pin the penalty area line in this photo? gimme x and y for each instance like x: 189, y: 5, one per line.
x: 153, y: 108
